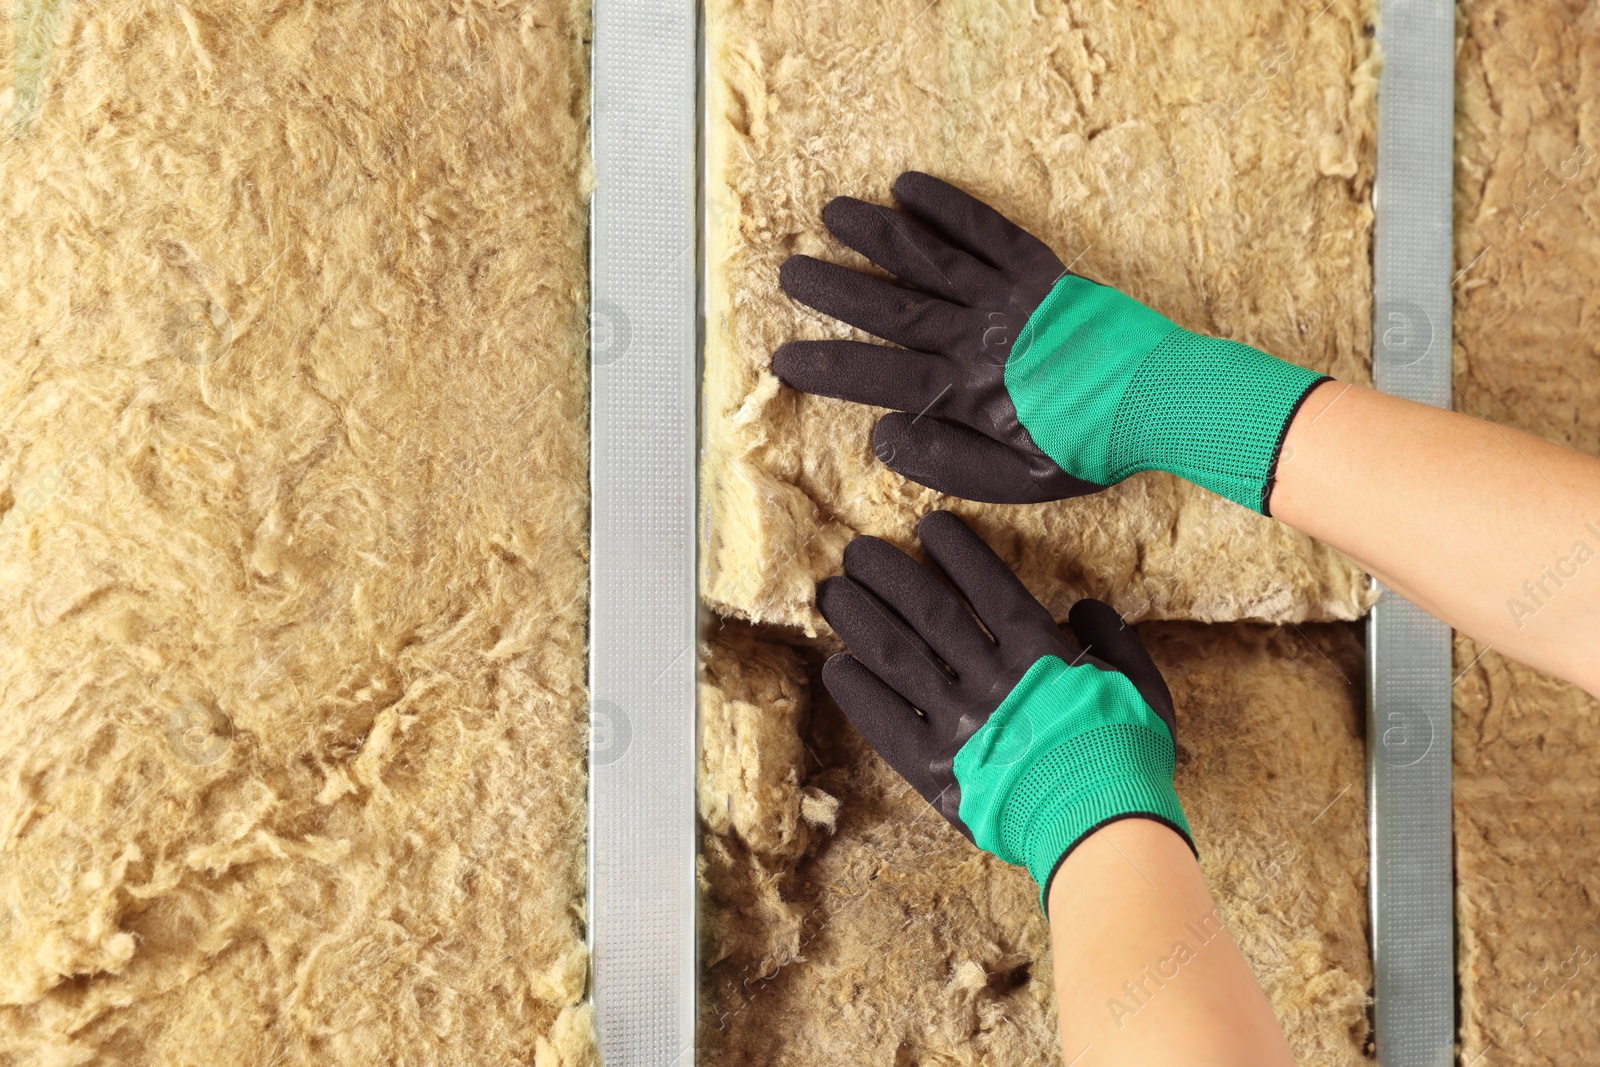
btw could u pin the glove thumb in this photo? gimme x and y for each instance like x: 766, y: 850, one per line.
x: 1105, y: 636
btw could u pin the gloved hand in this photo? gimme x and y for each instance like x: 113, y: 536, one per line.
x: 1025, y: 743
x: 1040, y: 383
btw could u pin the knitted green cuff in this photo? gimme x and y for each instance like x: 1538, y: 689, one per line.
x: 1107, y: 388
x: 1062, y: 826
x: 1069, y: 749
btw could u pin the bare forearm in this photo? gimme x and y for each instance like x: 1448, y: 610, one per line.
x: 1145, y: 971
x: 1492, y: 530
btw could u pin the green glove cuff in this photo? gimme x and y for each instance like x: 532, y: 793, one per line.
x: 1107, y: 388
x: 1068, y: 750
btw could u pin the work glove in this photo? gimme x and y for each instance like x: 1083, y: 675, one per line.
x: 1026, y: 742
x: 1020, y: 381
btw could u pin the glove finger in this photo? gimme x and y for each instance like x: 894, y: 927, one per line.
x: 902, y: 316
x: 1105, y: 636
x: 925, y: 604
x: 891, y: 726
x: 998, y: 596
x: 960, y: 461
x: 970, y: 224
x: 885, y: 645
x: 884, y: 377
x: 909, y: 252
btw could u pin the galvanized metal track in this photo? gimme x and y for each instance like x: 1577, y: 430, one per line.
x: 644, y: 401
x: 1409, y: 676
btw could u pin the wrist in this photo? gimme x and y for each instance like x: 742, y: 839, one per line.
x: 1148, y: 850
x: 1065, y: 827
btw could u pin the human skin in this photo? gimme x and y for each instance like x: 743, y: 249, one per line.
x: 1494, y: 531
x: 1145, y: 972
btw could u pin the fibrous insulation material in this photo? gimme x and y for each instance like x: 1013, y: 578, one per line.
x: 845, y: 920
x: 293, y: 524
x: 1527, y: 354
x: 292, y: 520
x: 1214, y: 161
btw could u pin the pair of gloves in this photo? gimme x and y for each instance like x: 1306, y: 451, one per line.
x: 1017, y: 381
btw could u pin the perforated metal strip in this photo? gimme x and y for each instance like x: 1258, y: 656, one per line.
x: 642, y: 609
x: 1409, y: 677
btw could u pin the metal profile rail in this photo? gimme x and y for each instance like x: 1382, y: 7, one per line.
x: 643, y: 403
x: 1409, y: 669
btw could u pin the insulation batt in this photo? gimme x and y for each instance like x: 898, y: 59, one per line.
x: 1527, y: 826
x: 1212, y: 160
x: 845, y: 921
x: 1527, y: 354
x: 293, y: 522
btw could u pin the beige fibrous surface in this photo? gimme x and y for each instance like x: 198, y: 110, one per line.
x: 293, y: 521
x: 849, y: 922
x: 293, y: 526
x: 1527, y: 354
x: 1214, y: 161
x: 1527, y: 825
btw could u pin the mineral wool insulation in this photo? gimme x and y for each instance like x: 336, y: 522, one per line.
x: 1214, y: 161
x: 1527, y: 810
x: 844, y: 921
x: 293, y: 521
